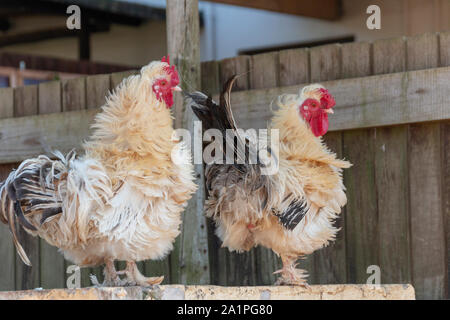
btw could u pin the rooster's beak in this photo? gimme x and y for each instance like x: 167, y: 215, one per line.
x: 329, y: 111
x: 177, y: 88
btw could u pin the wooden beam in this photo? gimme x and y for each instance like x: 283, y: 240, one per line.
x: 376, y: 101
x: 320, y: 9
x: 189, y: 260
x: 25, y: 137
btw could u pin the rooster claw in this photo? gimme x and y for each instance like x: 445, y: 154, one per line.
x: 134, y: 277
x: 152, y: 281
x: 292, y: 282
x: 144, y: 281
x: 290, y: 276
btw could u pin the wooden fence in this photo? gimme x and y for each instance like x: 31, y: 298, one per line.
x: 391, y: 121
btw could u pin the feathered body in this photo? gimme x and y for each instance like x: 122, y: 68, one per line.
x: 122, y: 199
x: 292, y: 211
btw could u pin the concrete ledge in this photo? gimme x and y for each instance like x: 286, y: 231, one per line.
x: 181, y: 292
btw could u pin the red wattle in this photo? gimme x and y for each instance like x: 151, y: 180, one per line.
x: 168, y: 99
x: 319, y: 124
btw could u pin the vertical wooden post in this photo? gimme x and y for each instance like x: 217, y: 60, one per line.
x: 391, y: 177
x: 425, y: 185
x: 26, y: 104
x: 189, y: 260
x: 7, y: 250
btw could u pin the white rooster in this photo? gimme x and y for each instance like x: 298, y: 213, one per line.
x: 122, y: 199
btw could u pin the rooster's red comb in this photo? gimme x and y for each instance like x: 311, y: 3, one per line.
x: 164, y: 59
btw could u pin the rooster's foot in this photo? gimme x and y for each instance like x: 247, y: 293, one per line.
x: 134, y: 277
x: 291, y: 281
x: 112, y: 278
x: 290, y: 275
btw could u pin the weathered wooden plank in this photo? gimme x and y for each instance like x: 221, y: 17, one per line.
x: 25, y: 101
x: 445, y: 151
x: 294, y: 66
x: 356, y: 60
x: 242, y: 268
x: 117, y: 77
x: 52, y: 267
x: 97, y: 88
x: 330, y: 262
x: 361, y: 223
x: 26, y: 104
x: 422, y: 52
x: 85, y: 277
x: 391, y: 175
x: 29, y: 136
x: 190, y: 260
x: 325, y: 62
x: 208, y: 292
x: 264, y: 70
x: 7, y: 250
x: 427, y: 221
x: 49, y: 97
x: 7, y: 105
x: 210, y: 77
x: 444, y: 45
x: 157, y: 268
x: 239, y: 65
x: 74, y: 94
x: 389, y: 56
x: 427, y: 239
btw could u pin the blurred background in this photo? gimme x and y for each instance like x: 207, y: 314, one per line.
x: 123, y: 34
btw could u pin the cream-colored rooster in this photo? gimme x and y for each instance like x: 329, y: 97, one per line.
x: 291, y: 211
x: 122, y: 199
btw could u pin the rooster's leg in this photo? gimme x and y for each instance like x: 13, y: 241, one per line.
x: 289, y: 274
x: 111, y: 277
x: 134, y: 277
